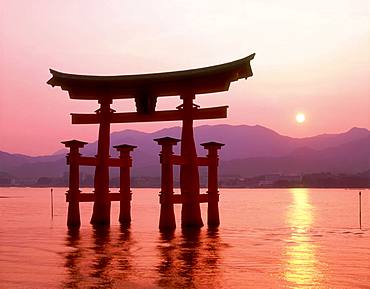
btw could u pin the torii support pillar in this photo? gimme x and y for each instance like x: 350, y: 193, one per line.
x: 189, y: 174
x: 167, y: 216
x: 125, y: 188
x: 73, y: 193
x: 213, y: 195
x: 101, y: 209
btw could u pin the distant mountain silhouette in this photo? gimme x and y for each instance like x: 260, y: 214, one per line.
x: 352, y: 157
x: 27, y: 167
x: 242, y: 141
x: 249, y: 151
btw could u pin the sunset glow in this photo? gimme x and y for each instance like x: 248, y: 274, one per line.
x: 302, y: 264
x: 311, y: 54
x: 300, y: 118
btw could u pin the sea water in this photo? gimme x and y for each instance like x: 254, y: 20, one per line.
x: 268, y: 238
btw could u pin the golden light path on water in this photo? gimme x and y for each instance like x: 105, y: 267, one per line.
x: 301, y: 261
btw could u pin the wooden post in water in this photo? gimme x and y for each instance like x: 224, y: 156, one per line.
x: 124, y: 179
x: 52, y: 203
x: 359, y: 204
x: 213, y: 219
x: 167, y: 216
x: 73, y: 193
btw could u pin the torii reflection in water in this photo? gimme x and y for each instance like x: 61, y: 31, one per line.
x: 112, y: 258
x: 190, y: 259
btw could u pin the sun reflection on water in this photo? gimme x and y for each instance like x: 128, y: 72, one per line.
x: 301, y: 262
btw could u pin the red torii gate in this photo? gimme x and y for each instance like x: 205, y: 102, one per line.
x: 145, y: 88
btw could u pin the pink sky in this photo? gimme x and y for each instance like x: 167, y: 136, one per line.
x: 311, y: 56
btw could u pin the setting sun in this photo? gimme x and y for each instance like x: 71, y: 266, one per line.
x: 300, y: 117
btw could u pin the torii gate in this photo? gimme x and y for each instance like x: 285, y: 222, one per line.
x: 145, y: 88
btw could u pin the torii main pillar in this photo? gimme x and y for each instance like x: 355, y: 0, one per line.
x: 102, y: 204
x: 189, y: 174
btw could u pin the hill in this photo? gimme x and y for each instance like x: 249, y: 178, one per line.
x: 249, y: 151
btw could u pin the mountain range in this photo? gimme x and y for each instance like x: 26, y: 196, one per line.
x: 249, y: 151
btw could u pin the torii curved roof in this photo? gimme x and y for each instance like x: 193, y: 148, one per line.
x: 195, y: 81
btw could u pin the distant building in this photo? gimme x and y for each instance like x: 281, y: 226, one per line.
x: 273, y: 179
x: 6, y: 179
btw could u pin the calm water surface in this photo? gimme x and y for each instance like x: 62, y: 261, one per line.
x: 278, y: 238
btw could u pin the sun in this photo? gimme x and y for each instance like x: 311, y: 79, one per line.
x: 300, y: 117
